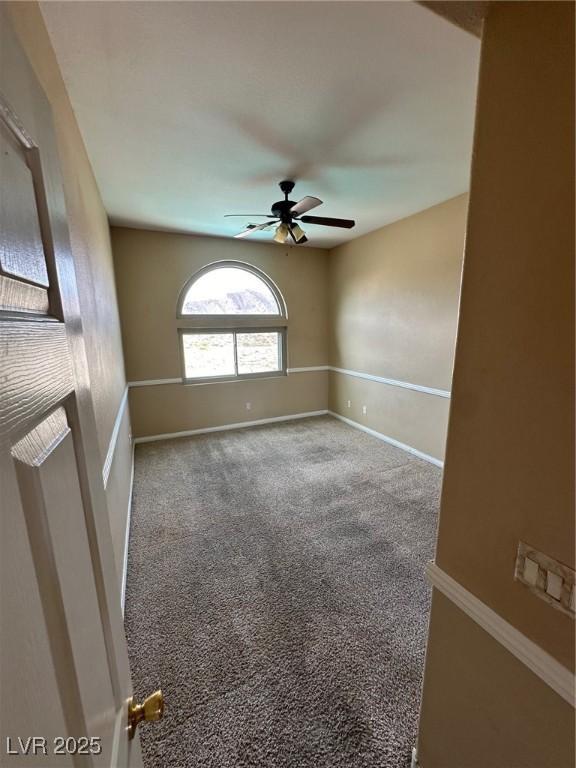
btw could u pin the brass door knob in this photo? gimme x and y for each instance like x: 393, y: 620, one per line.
x: 152, y: 708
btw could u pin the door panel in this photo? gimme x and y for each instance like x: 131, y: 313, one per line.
x: 28, y: 703
x: 63, y: 662
x: 22, y: 297
x: 21, y: 249
x: 53, y: 508
x: 41, y: 350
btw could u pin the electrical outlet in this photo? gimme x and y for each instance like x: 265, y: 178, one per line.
x: 349, y: 404
x: 364, y: 410
x: 549, y: 579
x: 248, y: 406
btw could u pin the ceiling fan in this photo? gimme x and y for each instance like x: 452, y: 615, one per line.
x: 286, y: 214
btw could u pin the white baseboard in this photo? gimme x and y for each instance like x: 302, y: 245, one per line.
x: 387, y: 439
x: 545, y: 666
x: 226, y: 427
x: 415, y: 763
x: 127, y: 537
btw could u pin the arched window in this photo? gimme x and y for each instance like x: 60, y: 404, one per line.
x: 232, y: 321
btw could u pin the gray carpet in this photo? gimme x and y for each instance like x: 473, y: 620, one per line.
x: 276, y: 594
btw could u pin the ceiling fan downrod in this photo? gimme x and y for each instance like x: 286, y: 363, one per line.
x: 281, y: 209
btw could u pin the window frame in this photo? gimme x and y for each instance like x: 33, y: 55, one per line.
x: 234, y: 324
x: 230, y: 264
x: 281, y: 371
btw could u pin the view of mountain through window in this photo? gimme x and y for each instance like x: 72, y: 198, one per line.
x: 230, y: 291
x: 208, y: 355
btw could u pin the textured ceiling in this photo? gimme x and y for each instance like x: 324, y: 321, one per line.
x: 193, y: 110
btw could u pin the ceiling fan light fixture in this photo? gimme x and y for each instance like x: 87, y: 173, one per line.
x: 281, y: 233
x: 298, y: 233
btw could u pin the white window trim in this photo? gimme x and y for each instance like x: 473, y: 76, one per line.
x: 230, y: 264
x: 234, y: 324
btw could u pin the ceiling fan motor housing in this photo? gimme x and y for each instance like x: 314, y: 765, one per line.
x: 281, y: 209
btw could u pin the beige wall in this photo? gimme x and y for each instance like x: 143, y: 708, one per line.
x: 90, y: 242
x: 414, y: 418
x: 510, y: 452
x: 176, y: 407
x: 393, y: 310
x: 151, y: 268
x: 470, y: 722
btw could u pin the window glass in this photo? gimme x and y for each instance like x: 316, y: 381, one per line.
x: 258, y: 352
x: 208, y: 354
x: 229, y: 291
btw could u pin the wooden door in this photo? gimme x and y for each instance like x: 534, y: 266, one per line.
x: 64, y: 674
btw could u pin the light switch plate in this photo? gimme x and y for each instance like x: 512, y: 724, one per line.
x: 551, y: 580
x: 531, y: 571
x: 553, y: 585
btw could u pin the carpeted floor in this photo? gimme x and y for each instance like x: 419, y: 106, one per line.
x: 276, y: 594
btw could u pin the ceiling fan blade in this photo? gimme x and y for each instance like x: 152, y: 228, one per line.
x: 327, y: 222
x: 255, y: 228
x: 249, y: 215
x: 306, y: 204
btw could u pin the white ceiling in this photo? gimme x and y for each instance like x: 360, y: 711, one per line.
x: 191, y: 110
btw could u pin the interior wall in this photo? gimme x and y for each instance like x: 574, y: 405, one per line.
x: 393, y: 311
x: 90, y: 241
x: 151, y: 269
x: 486, y: 709
x: 509, y: 473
